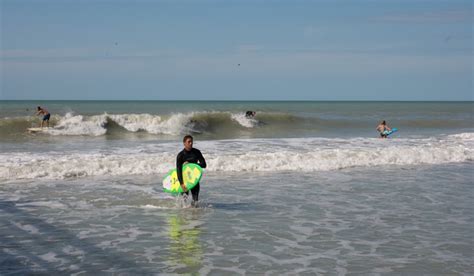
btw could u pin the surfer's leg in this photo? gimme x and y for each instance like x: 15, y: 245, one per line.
x: 195, y: 193
x: 46, y: 118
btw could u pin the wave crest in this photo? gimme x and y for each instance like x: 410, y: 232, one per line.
x: 263, y: 155
x: 173, y: 124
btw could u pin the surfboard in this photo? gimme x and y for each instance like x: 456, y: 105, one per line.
x: 390, y: 132
x: 192, y: 173
x: 36, y: 129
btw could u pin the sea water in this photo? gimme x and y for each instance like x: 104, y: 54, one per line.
x: 301, y: 188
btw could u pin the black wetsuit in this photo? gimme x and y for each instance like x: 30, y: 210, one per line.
x: 249, y: 114
x: 192, y: 156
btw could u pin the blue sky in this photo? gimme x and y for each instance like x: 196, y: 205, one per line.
x: 237, y: 50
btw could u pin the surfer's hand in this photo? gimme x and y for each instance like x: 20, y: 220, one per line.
x: 186, y: 162
x: 184, y: 188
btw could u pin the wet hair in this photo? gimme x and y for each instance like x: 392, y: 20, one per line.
x: 187, y: 137
x: 383, y: 122
x: 39, y: 107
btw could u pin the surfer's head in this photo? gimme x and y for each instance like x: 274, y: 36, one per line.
x: 188, y: 142
x: 383, y: 122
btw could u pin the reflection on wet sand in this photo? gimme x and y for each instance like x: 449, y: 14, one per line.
x: 185, y: 251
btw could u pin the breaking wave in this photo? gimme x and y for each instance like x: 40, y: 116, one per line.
x: 174, y: 124
x: 245, y: 155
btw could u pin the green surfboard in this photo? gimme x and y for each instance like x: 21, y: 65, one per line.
x: 192, y: 173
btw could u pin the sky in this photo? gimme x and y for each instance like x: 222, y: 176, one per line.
x: 420, y: 50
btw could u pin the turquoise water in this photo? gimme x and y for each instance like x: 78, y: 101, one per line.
x: 301, y: 188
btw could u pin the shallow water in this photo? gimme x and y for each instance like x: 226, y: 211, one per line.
x: 301, y: 188
x: 385, y: 220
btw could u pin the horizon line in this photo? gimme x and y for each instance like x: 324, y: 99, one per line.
x: 148, y: 100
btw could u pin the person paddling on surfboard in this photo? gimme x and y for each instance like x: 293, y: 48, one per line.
x: 189, y: 155
x: 46, y: 115
x: 383, y: 128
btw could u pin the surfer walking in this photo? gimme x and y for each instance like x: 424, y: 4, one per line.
x: 383, y: 128
x: 189, y: 155
x: 46, y: 115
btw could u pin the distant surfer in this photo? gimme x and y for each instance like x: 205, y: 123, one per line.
x: 46, y: 115
x: 383, y: 128
x: 250, y: 114
x: 189, y: 155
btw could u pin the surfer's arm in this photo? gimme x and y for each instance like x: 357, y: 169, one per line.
x: 179, y: 168
x: 202, y: 161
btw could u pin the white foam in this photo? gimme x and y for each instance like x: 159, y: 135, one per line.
x: 244, y: 120
x: 136, y: 122
x: 80, y: 125
x: 49, y: 204
x: 50, y: 257
x: 174, y: 124
x: 28, y: 228
x: 97, y: 125
x: 150, y: 206
x: 463, y: 136
x: 308, y: 154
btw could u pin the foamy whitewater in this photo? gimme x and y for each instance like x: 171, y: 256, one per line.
x: 256, y: 155
x: 301, y: 188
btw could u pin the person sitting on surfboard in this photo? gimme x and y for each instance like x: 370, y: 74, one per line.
x: 189, y: 155
x: 383, y: 128
x: 46, y: 115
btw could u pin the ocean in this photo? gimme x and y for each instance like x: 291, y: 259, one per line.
x: 304, y: 188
